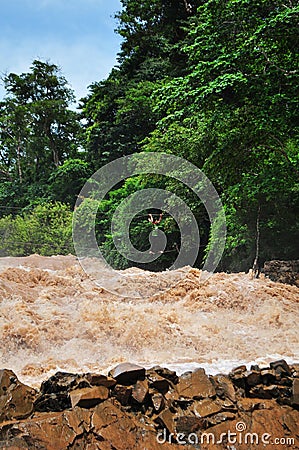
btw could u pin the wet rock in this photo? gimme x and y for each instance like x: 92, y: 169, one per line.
x: 253, y: 378
x: 171, y: 396
x: 295, y: 370
x: 51, y: 431
x: 238, y: 377
x: 157, y: 382
x: 115, y: 429
x: 266, y: 392
x: 52, y: 402
x: 122, y: 394
x: 268, y: 376
x: 16, y: 399
x: 89, y: 397
x: 206, y: 407
x: 63, y: 382
x: 140, y: 391
x: 224, y: 387
x: 239, y: 370
x: 95, y: 379
x: 166, y: 373
x: 195, y: 385
x: 166, y: 419
x: 281, y: 367
x: 127, y: 373
x: 158, y: 402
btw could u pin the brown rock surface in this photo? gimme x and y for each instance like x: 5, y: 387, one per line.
x: 89, y: 397
x: 195, y: 385
x: 197, y: 411
x: 122, y: 394
x: 140, y: 391
x: 206, y: 407
x: 225, y: 387
x: 16, y: 399
x: 96, y: 379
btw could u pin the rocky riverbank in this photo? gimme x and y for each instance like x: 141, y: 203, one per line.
x: 283, y: 271
x: 135, y: 408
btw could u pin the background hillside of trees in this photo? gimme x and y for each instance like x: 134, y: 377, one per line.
x: 214, y: 82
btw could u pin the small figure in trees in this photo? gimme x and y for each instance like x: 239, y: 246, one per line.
x: 155, y: 221
x: 155, y: 233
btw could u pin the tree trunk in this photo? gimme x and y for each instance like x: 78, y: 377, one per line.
x: 19, y: 161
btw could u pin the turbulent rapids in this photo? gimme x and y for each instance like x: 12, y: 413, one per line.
x: 53, y: 317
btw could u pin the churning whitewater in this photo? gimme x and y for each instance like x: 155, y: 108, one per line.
x: 53, y: 317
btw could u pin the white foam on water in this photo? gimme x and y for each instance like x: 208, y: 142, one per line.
x: 53, y: 317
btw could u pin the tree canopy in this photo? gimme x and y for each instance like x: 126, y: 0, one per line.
x: 211, y: 81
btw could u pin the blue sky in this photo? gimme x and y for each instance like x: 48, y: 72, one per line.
x: 77, y: 35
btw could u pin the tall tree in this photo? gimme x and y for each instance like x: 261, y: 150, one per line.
x: 119, y: 112
x: 38, y: 129
x: 237, y: 107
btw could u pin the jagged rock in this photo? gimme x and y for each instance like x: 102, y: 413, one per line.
x: 266, y: 392
x: 295, y: 392
x: 295, y: 370
x: 195, y: 385
x: 106, y: 428
x: 122, y: 394
x: 16, y: 399
x: 127, y: 373
x: 89, y: 397
x: 238, y: 377
x: 268, y: 376
x: 171, y: 396
x: 51, y: 431
x: 95, y: 379
x: 227, y: 404
x: 206, y: 407
x: 157, y: 382
x: 238, y: 370
x: 224, y: 387
x: 136, y: 425
x: 117, y: 430
x: 52, y: 402
x: 281, y: 367
x: 253, y: 378
x: 166, y: 418
x: 166, y: 373
x: 140, y: 391
x: 283, y: 271
x: 189, y: 424
x: 275, y: 422
x: 158, y: 401
x: 63, y: 382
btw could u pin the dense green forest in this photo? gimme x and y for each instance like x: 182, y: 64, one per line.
x: 212, y: 81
